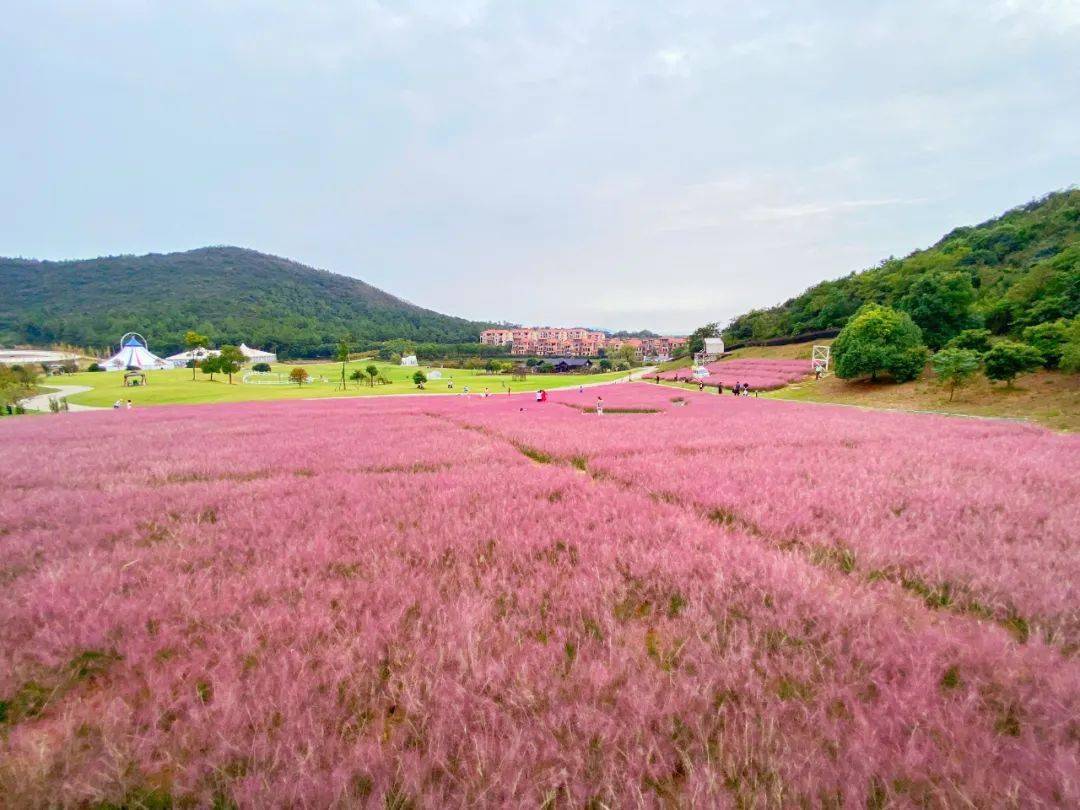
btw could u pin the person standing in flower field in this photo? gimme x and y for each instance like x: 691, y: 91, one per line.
x: 599, y: 406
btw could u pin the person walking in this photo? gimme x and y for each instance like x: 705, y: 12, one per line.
x: 735, y: 390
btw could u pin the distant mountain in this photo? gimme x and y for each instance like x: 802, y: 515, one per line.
x: 230, y: 294
x: 1023, y: 268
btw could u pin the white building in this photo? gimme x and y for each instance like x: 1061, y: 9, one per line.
x: 409, y: 360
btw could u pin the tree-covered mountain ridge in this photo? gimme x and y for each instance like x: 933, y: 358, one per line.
x: 230, y: 294
x: 1016, y: 270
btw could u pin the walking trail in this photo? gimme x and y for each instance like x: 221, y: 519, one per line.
x: 41, y: 401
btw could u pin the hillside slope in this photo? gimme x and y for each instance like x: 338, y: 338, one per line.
x: 231, y: 294
x: 1024, y: 268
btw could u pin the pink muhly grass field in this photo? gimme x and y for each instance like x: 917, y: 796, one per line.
x: 760, y: 375
x: 690, y: 600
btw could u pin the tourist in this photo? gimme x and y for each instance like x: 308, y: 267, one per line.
x: 116, y: 405
x: 701, y: 385
x: 129, y: 404
x: 465, y: 390
x: 735, y: 390
x: 746, y: 389
x: 581, y: 389
x: 599, y: 406
x: 487, y: 392
x: 543, y: 395
x: 538, y: 394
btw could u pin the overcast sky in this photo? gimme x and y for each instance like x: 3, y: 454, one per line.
x: 613, y: 164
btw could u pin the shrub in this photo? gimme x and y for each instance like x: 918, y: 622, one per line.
x: 1007, y: 359
x: 299, y: 375
x: 261, y: 367
x: 878, y: 340
x: 94, y: 367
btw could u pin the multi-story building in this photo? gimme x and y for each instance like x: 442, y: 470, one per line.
x: 547, y: 341
x: 497, y: 337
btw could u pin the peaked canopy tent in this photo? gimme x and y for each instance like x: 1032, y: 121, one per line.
x: 194, y: 355
x: 257, y: 355
x: 134, y: 354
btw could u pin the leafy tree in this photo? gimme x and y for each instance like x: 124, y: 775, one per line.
x: 210, y: 365
x: 193, y: 340
x: 955, y: 368
x: 940, y: 305
x: 1006, y: 359
x: 263, y: 367
x: 879, y: 340
x: 419, y: 378
x: 16, y: 383
x: 372, y: 372
x: 1050, y: 339
x: 356, y: 376
x: 299, y: 375
x: 1070, y: 352
x: 230, y: 360
x: 342, y: 356
x: 626, y: 354
x: 605, y: 364
x: 977, y: 340
x: 696, y: 342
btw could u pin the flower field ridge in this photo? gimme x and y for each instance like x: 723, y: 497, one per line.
x: 690, y: 600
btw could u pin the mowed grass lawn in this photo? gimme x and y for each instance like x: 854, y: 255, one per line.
x: 176, y: 386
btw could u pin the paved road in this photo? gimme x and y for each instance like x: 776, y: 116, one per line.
x: 41, y: 401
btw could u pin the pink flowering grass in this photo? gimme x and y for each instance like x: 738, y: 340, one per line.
x: 760, y: 375
x: 429, y: 602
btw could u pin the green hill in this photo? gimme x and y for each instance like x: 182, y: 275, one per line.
x: 1020, y: 269
x: 228, y: 293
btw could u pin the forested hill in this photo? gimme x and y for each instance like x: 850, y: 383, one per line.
x: 1020, y: 269
x: 228, y: 293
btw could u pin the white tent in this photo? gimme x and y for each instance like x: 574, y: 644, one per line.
x: 134, y: 354
x: 409, y: 360
x: 257, y: 355
x: 198, y: 355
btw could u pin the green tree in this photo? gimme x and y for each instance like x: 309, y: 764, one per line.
x: 342, y: 356
x: 419, y: 378
x: 16, y: 383
x: 230, y: 360
x: 193, y: 340
x: 372, y: 372
x: 605, y: 364
x: 1006, y: 359
x: 357, y: 376
x: 299, y: 376
x: 878, y: 340
x: 940, y: 304
x: 1070, y: 352
x: 1050, y: 339
x: 955, y: 368
x: 210, y: 365
x: 626, y: 354
x: 696, y: 342
x: 977, y: 340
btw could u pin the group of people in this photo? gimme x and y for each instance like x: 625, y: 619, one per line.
x: 740, y: 390
x: 120, y: 404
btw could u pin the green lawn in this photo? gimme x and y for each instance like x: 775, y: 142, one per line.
x: 176, y: 386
